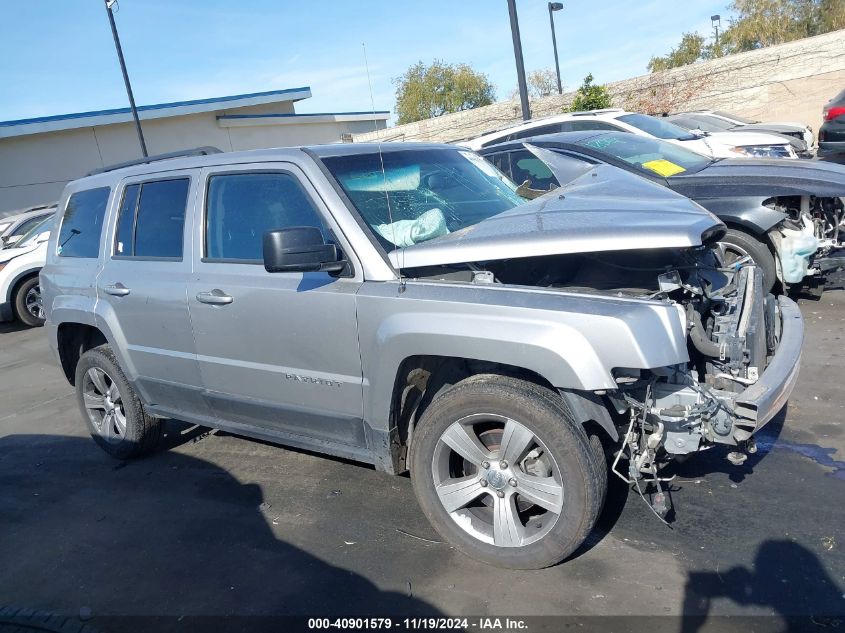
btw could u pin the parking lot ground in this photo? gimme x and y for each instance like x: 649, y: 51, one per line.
x: 222, y: 525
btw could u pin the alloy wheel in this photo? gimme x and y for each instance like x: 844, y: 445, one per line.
x: 497, y: 480
x: 732, y: 255
x: 33, y: 303
x: 104, y: 405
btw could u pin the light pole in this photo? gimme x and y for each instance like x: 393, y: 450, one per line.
x: 520, y: 65
x: 555, y: 6
x: 716, y: 21
x: 109, y: 4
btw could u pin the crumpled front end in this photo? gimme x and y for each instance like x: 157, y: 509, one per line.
x: 745, y: 355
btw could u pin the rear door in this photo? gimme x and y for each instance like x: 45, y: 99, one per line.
x: 276, y: 350
x: 143, y: 284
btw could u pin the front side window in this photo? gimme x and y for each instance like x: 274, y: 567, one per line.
x: 151, y: 220
x: 82, y: 223
x: 657, y: 127
x: 525, y: 166
x: 411, y: 196
x: 241, y: 208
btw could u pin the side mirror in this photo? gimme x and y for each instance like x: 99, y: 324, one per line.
x: 300, y: 250
x: 42, y: 237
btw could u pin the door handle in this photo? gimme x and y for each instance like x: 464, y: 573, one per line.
x: 216, y: 298
x: 116, y: 290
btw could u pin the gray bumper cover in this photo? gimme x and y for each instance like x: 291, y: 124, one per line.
x: 764, y: 399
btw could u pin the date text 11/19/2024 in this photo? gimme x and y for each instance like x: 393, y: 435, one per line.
x: 483, y: 624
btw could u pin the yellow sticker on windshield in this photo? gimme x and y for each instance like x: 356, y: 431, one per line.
x: 663, y: 167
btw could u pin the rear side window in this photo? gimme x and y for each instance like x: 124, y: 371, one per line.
x: 554, y: 128
x: 592, y: 124
x: 152, y: 219
x: 82, y: 223
x: 242, y: 207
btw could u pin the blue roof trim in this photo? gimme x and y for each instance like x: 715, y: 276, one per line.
x: 296, y: 114
x: 146, y: 108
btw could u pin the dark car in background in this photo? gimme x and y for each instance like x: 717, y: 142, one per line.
x: 832, y: 131
x: 782, y: 215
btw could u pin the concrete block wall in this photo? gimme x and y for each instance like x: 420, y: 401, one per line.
x: 790, y: 81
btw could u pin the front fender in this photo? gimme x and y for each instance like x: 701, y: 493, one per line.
x: 573, y: 341
x: 748, y: 213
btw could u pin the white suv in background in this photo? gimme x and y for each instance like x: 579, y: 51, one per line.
x: 716, y: 145
x: 13, y: 227
x: 20, y: 291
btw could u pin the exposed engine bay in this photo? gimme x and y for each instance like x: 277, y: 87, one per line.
x: 807, y: 241
x: 732, y: 332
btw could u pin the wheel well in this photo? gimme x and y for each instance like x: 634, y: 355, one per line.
x: 420, y: 378
x: 762, y: 236
x: 74, y: 339
x: 22, y: 279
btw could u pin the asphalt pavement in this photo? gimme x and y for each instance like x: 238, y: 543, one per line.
x: 219, y: 525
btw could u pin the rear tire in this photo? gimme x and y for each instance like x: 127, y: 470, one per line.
x: 540, y: 493
x: 738, y: 243
x: 111, y: 408
x: 27, y: 301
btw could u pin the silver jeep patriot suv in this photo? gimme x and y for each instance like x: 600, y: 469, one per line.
x: 401, y: 305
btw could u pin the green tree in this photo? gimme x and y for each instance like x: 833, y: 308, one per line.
x: 760, y: 23
x: 590, y: 97
x: 691, y: 49
x: 424, y: 91
x: 755, y: 24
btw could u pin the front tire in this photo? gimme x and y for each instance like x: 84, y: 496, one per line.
x: 737, y: 244
x: 504, y: 473
x: 28, y: 307
x: 111, y: 408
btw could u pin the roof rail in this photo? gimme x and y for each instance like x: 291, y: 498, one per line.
x: 197, y: 151
x: 595, y: 112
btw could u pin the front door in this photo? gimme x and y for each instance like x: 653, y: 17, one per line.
x: 276, y: 350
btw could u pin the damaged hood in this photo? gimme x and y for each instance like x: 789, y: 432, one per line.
x: 762, y: 177
x: 604, y: 209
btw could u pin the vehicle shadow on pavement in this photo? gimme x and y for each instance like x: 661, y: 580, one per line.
x: 165, y: 535
x: 785, y: 577
x: 12, y: 326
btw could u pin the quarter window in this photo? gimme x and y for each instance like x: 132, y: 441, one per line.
x: 152, y: 219
x: 242, y: 207
x: 82, y: 223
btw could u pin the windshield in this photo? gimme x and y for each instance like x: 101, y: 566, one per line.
x: 657, y: 127
x: 35, y: 231
x: 649, y: 155
x: 733, y: 117
x: 421, y: 194
x: 702, y: 122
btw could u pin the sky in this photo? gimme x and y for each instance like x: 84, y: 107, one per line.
x: 58, y: 56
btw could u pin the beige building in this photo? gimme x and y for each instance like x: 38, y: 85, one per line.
x: 39, y: 156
